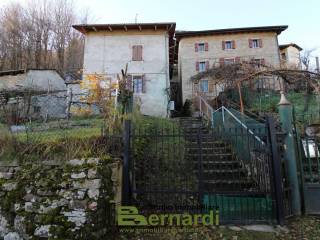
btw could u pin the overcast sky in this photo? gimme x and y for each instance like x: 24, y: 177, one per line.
x: 302, y: 16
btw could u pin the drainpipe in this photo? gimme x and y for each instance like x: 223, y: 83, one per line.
x: 290, y: 156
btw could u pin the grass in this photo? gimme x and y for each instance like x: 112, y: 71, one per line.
x: 56, y: 139
x: 267, y: 102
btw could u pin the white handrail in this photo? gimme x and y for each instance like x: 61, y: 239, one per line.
x: 243, y: 125
x: 223, y: 108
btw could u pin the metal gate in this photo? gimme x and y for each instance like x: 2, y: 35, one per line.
x: 174, y: 169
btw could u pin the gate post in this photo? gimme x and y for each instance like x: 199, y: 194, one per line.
x: 276, y: 170
x: 200, y: 169
x: 290, y: 156
x: 126, y: 165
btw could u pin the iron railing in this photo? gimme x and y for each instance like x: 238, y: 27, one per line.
x: 255, y: 146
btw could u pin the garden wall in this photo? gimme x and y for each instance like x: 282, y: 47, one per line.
x: 52, y: 200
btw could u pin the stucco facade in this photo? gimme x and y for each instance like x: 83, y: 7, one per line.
x: 290, y: 56
x: 214, y: 53
x: 107, y: 52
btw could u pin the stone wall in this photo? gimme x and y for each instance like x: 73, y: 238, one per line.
x: 50, y: 200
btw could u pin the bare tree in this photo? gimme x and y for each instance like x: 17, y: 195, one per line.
x: 306, y: 56
x: 40, y: 35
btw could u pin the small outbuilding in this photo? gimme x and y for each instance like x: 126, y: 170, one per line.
x: 32, y: 94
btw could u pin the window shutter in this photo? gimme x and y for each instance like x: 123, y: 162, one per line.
x: 221, y: 61
x: 211, y: 86
x: 206, y: 46
x: 233, y: 44
x: 196, y: 47
x: 129, y: 82
x: 207, y: 65
x: 263, y: 62
x: 137, y: 53
x: 197, y: 66
x: 134, y: 52
x: 237, y: 59
x: 223, y: 45
x: 250, y: 43
x: 143, y: 83
x: 260, y: 43
x: 140, y: 52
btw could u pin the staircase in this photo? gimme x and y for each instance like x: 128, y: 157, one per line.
x: 218, y: 168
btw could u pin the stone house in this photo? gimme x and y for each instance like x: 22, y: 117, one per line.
x: 200, y: 50
x: 33, y: 93
x: 145, y: 47
x: 290, y: 56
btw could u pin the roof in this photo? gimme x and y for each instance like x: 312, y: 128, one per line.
x: 12, y: 72
x: 169, y: 27
x: 85, y: 28
x: 284, y: 46
x: 34, y: 80
x: 276, y: 29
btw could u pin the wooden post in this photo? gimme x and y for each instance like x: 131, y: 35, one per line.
x: 240, y: 98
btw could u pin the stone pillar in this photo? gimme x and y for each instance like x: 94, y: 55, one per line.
x: 290, y: 156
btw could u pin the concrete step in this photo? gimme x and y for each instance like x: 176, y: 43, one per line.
x: 211, y: 157
x: 207, y: 150
x: 228, y: 185
x: 222, y: 174
x: 218, y: 165
x: 207, y: 144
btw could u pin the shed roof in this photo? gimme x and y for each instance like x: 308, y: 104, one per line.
x: 284, y: 46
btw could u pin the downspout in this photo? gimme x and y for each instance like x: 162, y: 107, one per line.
x: 167, y: 73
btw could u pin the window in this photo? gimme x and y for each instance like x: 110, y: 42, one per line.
x: 201, y: 47
x: 257, y: 62
x: 202, y: 66
x: 137, y: 53
x: 228, y: 61
x: 137, y: 84
x: 204, y: 86
x: 283, y: 56
x: 228, y: 44
x: 255, y: 43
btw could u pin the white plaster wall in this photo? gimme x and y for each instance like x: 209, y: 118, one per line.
x: 188, y: 57
x: 107, y: 53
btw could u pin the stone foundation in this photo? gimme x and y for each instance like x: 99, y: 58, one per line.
x: 50, y: 200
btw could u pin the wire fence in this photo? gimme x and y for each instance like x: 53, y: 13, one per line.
x: 42, y: 126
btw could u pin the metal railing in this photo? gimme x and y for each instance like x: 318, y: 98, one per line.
x: 247, y: 137
x: 207, y: 111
